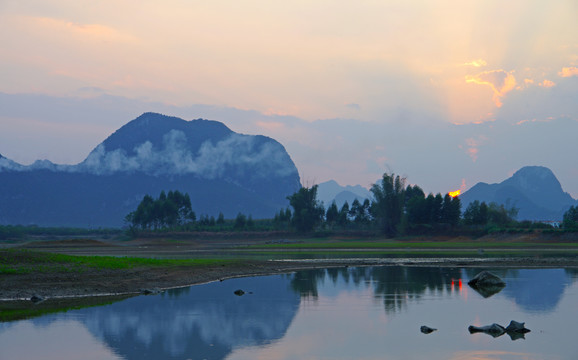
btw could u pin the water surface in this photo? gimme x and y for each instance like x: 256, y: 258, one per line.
x: 340, y: 313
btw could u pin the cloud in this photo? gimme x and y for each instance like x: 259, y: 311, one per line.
x: 547, y: 83
x: 86, y: 31
x: 233, y: 156
x: 476, y: 63
x: 473, y: 146
x: 353, y: 106
x: 569, y: 71
x: 500, y: 81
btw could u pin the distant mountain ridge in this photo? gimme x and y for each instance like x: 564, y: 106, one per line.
x: 534, y: 190
x: 330, y: 191
x: 220, y: 169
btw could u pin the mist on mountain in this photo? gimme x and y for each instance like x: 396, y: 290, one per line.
x: 222, y: 171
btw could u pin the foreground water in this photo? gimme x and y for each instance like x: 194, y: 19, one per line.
x: 345, y: 313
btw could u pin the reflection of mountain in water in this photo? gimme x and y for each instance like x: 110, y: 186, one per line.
x: 209, y: 321
x: 537, y: 290
x: 199, y: 322
x: 533, y: 289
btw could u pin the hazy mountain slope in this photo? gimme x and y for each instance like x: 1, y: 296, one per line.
x: 220, y: 169
x: 534, y: 190
x: 330, y: 191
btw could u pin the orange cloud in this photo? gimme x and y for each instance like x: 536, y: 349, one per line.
x: 547, y: 84
x: 476, y: 63
x: 500, y: 81
x: 473, y: 146
x: 95, y: 31
x: 569, y: 71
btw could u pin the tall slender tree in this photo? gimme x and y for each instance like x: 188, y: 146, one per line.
x: 388, y: 202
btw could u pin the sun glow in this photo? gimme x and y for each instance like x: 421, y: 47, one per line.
x: 454, y: 193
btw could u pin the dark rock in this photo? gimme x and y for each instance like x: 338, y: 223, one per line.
x: 517, y: 327
x: 154, y: 291
x: 515, y: 335
x: 494, y: 330
x: 486, y: 278
x: 239, y: 292
x: 486, y: 284
x: 37, y: 298
x: 426, y: 329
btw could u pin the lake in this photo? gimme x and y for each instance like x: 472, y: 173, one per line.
x: 338, y: 313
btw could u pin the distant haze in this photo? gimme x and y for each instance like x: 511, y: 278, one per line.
x: 446, y: 93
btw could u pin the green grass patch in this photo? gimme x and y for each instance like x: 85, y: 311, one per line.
x: 26, y: 261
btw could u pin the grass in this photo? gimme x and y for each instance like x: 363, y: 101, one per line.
x: 26, y: 261
x: 18, y: 310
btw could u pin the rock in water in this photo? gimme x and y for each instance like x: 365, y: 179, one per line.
x: 486, y: 278
x: 239, y: 292
x: 517, y: 327
x: 426, y: 329
x: 494, y: 330
x: 487, y: 284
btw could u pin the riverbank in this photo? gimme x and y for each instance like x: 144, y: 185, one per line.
x: 30, y: 271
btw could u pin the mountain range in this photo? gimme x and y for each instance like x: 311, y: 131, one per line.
x: 534, y: 190
x: 221, y: 170
x: 330, y: 191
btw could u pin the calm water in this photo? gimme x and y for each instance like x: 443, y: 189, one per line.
x: 346, y: 313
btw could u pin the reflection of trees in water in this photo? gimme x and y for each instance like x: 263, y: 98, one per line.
x: 305, y: 282
x: 573, y: 273
x: 396, y: 285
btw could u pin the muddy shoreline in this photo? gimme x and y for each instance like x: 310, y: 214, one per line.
x: 94, y: 282
x: 136, y: 281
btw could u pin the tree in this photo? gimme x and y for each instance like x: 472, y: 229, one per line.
x: 476, y: 213
x: 332, y: 214
x: 388, y: 203
x: 570, y: 219
x: 451, y: 210
x: 221, y: 219
x: 168, y: 211
x: 240, y: 221
x: 500, y: 215
x: 343, y: 218
x: 360, y: 212
x: 416, y: 206
x: 307, y: 211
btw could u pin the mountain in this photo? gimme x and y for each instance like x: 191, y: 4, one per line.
x: 330, y: 191
x: 534, y: 190
x: 221, y: 170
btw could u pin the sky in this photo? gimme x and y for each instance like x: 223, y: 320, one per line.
x: 445, y: 93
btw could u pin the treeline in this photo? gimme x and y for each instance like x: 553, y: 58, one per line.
x: 173, y: 211
x: 395, y: 209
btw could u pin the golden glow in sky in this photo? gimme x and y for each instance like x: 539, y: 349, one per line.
x: 386, y: 65
x: 304, y: 58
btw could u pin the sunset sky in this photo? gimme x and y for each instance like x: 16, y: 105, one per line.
x: 447, y: 93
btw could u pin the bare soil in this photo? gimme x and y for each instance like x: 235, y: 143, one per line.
x: 102, y: 282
